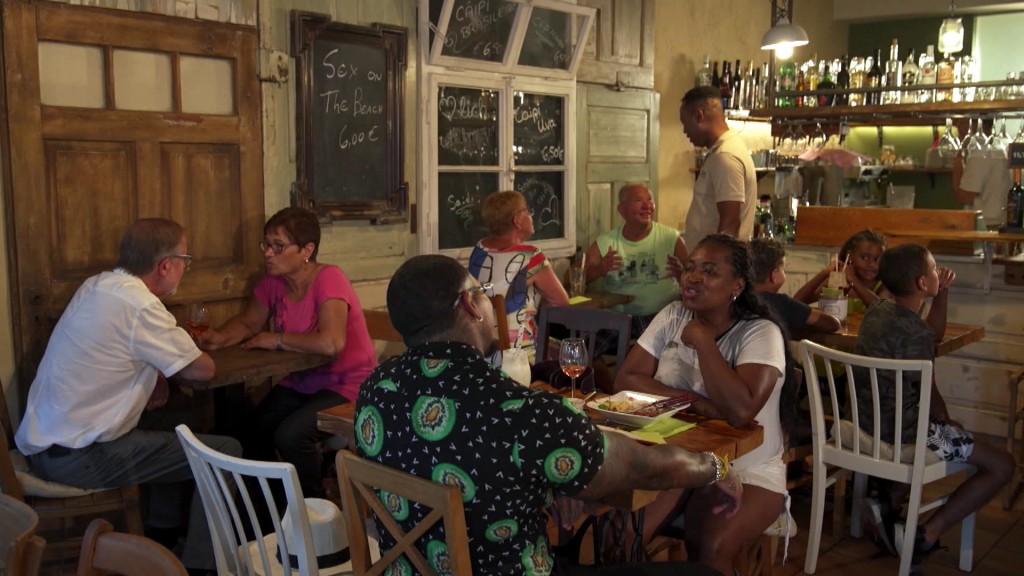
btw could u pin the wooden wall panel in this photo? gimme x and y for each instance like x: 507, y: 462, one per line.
x: 203, y: 180
x: 78, y: 174
x: 620, y: 50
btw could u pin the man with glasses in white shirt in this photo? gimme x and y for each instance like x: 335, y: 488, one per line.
x: 92, y: 418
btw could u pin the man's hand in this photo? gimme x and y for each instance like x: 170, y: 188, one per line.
x: 729, y: 495
x: 160, y: 394
x: 610, y: 262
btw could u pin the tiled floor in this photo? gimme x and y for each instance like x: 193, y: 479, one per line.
x: 998, y: 544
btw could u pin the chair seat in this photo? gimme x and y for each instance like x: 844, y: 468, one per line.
x: 33, y: 485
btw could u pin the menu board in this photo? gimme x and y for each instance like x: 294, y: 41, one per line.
x: 477, y: 29
x: 538, y: 130
x: 467, y: 126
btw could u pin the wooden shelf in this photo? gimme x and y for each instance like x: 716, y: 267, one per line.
x: 892, y: 114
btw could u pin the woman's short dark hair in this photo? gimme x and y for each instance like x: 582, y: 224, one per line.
x: 867, y: 235
x: 300, y: 225
x: 901, y: 266
x: 146, y: 242
x: 421, y: 294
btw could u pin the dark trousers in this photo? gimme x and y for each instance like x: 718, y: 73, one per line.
x: 285, y: 422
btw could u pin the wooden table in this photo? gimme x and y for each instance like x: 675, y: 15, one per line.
x: 604, y: 300
x: 235, y: 365
x: 956, y: 337
x: 709, y: 435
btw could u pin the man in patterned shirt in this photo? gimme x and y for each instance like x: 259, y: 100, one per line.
x: 440, y: 411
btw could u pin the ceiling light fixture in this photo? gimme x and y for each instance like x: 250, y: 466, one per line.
x: 951, y: 32
x: 783, y: 35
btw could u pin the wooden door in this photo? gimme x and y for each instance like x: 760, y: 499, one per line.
x: 111, y: 116
x: 617, y: 138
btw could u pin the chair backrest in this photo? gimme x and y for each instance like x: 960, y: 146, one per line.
x: 21, y: 551
x: 105, y: 551
x: 849, y: 445
x: 501, y: 317
x: 583, y: 323
x: 361, y: 480
x: 221, y: 481
x: 378, y: 324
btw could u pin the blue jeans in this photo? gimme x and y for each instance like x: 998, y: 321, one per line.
x: 146, y: 455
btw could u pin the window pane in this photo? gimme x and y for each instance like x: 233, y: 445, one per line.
x: 142, y: 81
x: 467, y: 126
x: 477, y: 29
x: 71, y: 75
x: 545, y: 194
x: 459, y: 200
x: 550, y: 39
x: 538, y: 133
x: 207, y: 85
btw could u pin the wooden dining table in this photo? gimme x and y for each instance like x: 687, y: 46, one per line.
x: 956, y: 336
x: 245, y: 367
x: 709, y: 435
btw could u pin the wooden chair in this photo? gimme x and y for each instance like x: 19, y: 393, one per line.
x: 230, y: 510
x: 864, y: 453
x: 501, y: 317
x: 105, y: 551
x: 59, y: 502
x: 378, y: 324
x: 21, y: 551
x: 361, y: 479
x: 1013, y: 416
x: 583, y: 323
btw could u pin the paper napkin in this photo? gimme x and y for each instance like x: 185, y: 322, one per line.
x: 662, y: 428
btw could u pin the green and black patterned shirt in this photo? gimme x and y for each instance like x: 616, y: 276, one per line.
x: 440, y: 411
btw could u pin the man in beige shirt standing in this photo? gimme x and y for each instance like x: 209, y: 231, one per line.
x: 725, y: 193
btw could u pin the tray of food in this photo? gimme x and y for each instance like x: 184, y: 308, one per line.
x: 638, y: 408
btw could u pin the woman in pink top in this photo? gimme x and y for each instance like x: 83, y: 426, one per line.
x: 313, y: 308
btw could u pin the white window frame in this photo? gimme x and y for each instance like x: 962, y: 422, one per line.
x: 435, y: 71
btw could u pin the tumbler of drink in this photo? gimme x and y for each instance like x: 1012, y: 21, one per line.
x: 577, y: 281
x: 198, y: 320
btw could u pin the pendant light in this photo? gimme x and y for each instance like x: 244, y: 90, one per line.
x: 783, y: 35
x: 951, y: 33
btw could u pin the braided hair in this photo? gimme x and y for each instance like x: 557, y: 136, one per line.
x: 748, y: 306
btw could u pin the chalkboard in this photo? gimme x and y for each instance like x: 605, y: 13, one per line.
x: 350, y: 118
x: 545, y: 194
x: 462, y: 194
x: 547, y: 40
x: 538, y: 133
x: 467, y: 126
x: 477, y: 29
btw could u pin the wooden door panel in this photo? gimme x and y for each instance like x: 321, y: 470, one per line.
x: 202, y: 182
x: 621, y: 49
x: 78, y: 176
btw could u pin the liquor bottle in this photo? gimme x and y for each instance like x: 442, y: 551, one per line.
x: 893, y: 74
x: 811, y: 79
x: 843, y: 81
x: 874, y: 79
x: 928, y: 73
x: 716, y: 80
x: 944, y: 76
x: 911, y: 77
x: 704, y: 74
x: 749, y: 86
x: 858, y: 77
x: 801, y: 86
x: 764, y: 224
x: 726, y: 87
x: 787, y: 82
x: 826, y: 83
x: 737, y: 88
x: 1015, y: 203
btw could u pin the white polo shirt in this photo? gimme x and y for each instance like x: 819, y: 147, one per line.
x: 101, y: 364
x: 727, y: 174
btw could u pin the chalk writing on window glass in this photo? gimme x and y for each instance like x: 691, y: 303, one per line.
x: 467, y: 126
x: 544, y: 193
x: 538, y: 135
x: 479, y: 29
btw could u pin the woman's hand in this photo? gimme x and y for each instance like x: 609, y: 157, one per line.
x: 697, y: 331
x: 264, y: 340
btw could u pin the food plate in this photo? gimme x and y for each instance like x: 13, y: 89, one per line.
x: 636, y: 400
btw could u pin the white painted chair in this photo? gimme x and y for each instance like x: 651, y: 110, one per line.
x: 221, y: 481
x: 863, y: 453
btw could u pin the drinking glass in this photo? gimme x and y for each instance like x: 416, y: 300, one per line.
x: 949, y: 144
x: 577, y: 281
x: 198, y: 320
x: 573, y: 360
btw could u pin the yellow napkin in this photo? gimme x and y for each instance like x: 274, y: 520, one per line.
x: 577, y: 300
x: 662, y: 428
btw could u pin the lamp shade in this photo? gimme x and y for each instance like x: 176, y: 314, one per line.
x: 951, y: 36
x: 784, y: 34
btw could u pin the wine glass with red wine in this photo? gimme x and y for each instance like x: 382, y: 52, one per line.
x: 573, y: 360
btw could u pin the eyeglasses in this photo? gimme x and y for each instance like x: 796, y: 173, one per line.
x: 276, y: 247
x: 186, y: 257
x: 528, y: 210
x: 486, y: 288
